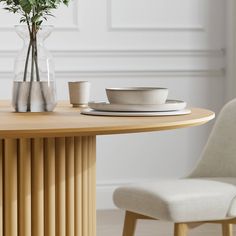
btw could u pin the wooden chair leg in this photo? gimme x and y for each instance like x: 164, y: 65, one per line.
x: 227, y: 229
x: 130, y: 224
x: 181, y: 229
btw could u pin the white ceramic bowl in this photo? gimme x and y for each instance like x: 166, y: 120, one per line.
x: 137, y: 95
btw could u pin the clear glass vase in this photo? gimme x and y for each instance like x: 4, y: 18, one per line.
x: 34, y: 86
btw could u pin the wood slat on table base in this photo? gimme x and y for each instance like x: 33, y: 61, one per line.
x: 48, y: 186
x: 60, y: 187
x: 10, y: 188
x: 85, y: 187
x: 24, y: 184
x: 70, y: 195
x: 93, y: 185
x: 78, y: 187
x: 37, y: 187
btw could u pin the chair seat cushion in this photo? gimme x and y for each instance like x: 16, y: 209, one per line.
x: 183, y: 200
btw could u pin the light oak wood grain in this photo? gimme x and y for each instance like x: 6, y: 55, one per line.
x: 85, y: 186
x: 70, y: 187
x: 37, y: 187
x: 130, y: 224
x: 10, y: 188
x: 227, y: 229
x: 67, y: 121
x: 180, y: 229
x: 92, y: 164
x: 60, y: 187
x: 24, y: 187
x: 78, y: 187
x: 49, y: 188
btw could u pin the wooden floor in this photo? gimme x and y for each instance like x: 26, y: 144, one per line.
x: 110, y: 222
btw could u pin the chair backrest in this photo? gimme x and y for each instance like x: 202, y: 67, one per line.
x: 219, y: 155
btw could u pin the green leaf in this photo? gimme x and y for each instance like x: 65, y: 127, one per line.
x: 32, y: 2
x: 66, y: 2
x: 22, y: 20
x: 39, y: 23
x: 35, y: 18
x: 26, y: 6
x: 16, y: 2
x: 33, y: 11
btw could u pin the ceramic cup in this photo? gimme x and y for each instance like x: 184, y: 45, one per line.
x: 79, y: 93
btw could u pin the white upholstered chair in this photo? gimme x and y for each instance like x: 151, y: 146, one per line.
x: 208, y: 194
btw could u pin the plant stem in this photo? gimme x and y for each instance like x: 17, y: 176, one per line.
x: 25, y: 69
x: 27, y: 62
x: 28, y: 24
x: 38, y: 75
x: 32, y: 40
x: 36, y: 61
x: 31, y: 75
x: 28, y: 52
x: 32, y: 63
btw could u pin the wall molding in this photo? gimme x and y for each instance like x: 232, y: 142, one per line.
x: 215, y: 57
x: 73, y: 27
x: 141, y: 53
x: 129, y: 73
x: 129, y: 53
x: 142, y: 73
x: 112, y: 27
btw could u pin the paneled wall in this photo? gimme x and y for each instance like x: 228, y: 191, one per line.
x: 177, y: 44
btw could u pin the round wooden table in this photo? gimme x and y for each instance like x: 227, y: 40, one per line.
x: 48, y: 166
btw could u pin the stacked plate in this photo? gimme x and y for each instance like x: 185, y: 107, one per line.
x: 137, y: 101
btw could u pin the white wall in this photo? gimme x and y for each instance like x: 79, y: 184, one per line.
x: 231, y: 49
x: 176, y: 44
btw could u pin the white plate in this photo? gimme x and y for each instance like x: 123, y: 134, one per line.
x: 170, y: 105
x: 156, y: 113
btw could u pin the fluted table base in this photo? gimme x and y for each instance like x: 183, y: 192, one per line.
x: 48, y: 186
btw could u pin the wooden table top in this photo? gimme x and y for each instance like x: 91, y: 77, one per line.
x: 67, y: 121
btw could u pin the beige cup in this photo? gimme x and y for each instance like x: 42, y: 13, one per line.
x: 79, y: 93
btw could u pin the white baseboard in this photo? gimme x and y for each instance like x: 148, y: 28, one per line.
x: 110, y: 223
x: 104, y: 196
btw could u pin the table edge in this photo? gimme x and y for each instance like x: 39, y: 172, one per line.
x: 94, y: 131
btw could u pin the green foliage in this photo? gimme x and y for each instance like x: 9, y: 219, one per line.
x: 33, y: 12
